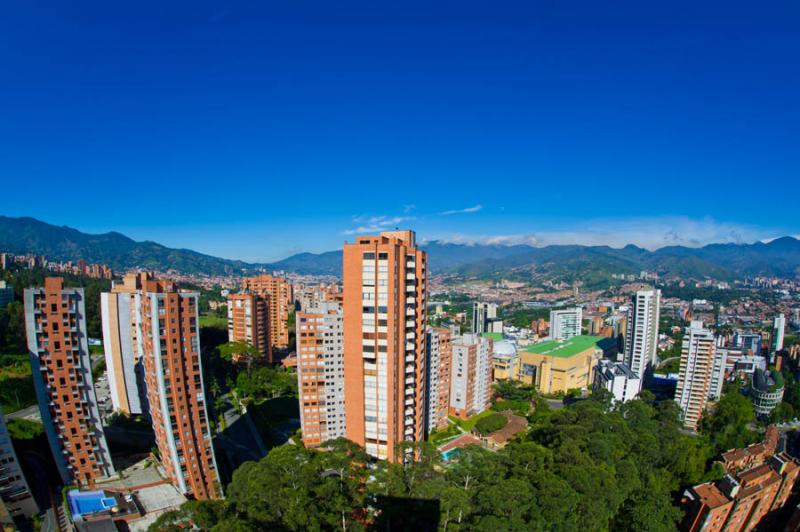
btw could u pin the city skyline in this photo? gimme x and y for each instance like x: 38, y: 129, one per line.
x: 529, y: 124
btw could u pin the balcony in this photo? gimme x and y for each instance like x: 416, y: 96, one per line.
x: 409, y: 380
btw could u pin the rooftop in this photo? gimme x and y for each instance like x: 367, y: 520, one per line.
x: 711, y: 495
x: 567, y: 348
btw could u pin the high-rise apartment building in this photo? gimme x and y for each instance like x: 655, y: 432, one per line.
x: 14, y: 492
x: 248, y: 321
x: 471, y: 375
x: 280, y: 298
x: 778, y: 331
x: 385, y: 311
x: 320, y: 373
x: 310, y: 296
x: 694, y: 377
x: 482, y: 314
x: 565, y: 324
x: 120, y: 311
x: 175, y: 391
x: 641, y: 337
x: 438, y: 365
x: 55, y: 322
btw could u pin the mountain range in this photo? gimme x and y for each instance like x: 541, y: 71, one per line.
x: 780, y: 257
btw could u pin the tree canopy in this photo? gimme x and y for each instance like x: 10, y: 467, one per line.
x: 587, y: 466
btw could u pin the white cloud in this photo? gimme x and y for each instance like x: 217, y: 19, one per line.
x: 649, y: 233
x: 373, y: 224
x: 467, y: 210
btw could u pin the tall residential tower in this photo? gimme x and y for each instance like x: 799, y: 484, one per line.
x: 320, y: 373
x: 278, y: 293
x: 120, y: 310
x: 695, y: 375
x: 438, y: 366
x: 641, y: 337
x: 55, y: 322
x: 248, y: 321
x: 385, y: 309
x: 174, y: 377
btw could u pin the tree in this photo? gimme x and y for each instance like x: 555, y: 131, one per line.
x: 727, y: 426
x: 583, y: 467
x: 491, y: 423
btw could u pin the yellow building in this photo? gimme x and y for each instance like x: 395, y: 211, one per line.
x: 556, y: 367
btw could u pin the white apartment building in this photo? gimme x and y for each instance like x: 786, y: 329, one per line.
x: 565, y: 324
x: 471, y: 375
x: 694, y: 378
x: 641, y: 338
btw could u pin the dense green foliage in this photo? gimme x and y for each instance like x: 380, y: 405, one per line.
x: 583, y: 467
x: 790, y: 407
x: 22, y: 429
x: 491, y: 423
x: 727, y: 426
x: 519, y: 316
x: 266, y: 382
x: 16, y: 384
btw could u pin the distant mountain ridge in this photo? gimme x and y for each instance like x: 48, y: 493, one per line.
x: 779, y: 257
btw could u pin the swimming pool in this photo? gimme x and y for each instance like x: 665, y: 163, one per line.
x: 451, y: 453
x: 88, y: 502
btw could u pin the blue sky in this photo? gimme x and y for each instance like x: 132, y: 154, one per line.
x: 256, y: 130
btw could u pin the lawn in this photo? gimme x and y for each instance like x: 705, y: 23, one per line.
x: 443, y: 435
x: 469, y: 424
x: 16, y: 384
x: 214, y: 322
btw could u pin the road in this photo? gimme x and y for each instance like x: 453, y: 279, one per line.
x: 31, y: 413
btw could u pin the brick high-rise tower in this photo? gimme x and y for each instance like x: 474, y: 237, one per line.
x: 55, y: 322
x: 438, y: 366
x: 248, y: 321
x: 320, y: 373
x: 384, y: 340
x: 176, y: 396
x: 280, y: 298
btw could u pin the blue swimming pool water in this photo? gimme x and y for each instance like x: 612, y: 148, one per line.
x: 88, y: 502
x: 451, y: 453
